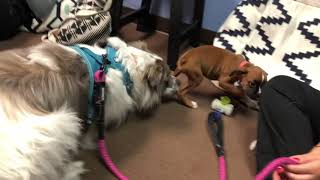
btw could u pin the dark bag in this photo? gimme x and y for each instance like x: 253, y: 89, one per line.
x: 13, y: 14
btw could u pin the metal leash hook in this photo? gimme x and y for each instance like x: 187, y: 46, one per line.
x: 216, y: 129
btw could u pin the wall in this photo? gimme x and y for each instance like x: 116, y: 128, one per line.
x: 215, y: 12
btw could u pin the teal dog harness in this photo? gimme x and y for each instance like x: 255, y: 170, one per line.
x: 98, y: 65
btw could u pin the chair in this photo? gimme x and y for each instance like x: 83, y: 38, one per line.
x: 178, y: 32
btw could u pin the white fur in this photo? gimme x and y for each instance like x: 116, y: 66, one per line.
x: 118, y: 102
x: 116, y: 43
x: 36, y: 147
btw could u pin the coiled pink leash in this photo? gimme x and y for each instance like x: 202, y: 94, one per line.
x: 272, y: 166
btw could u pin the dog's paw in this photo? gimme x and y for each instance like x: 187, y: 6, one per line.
x: 252, y: 104
x: 253, y: 145
x: 116, y: 42
x: 194, y: 105
x: 216, y: 83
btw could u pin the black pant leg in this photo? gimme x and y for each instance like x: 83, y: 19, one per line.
x: 289, y: 121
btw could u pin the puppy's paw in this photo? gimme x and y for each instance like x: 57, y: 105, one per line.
x: 253, y: 145
x: 194, y: 105
x: 252, y: 104
x: 216, y: 83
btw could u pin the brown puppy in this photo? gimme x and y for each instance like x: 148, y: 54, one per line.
x: 222, y: 65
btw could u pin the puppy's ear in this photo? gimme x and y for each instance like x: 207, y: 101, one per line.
x: 264, y: 77
x: 154, y: 73
x: 238, y: 72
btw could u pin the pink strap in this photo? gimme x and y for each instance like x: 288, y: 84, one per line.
x: 108, y: 162
x: 268, y: 170
x: 222, y: 168
x: 243, y: 63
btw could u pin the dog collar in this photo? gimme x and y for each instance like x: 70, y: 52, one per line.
x: 243, y: 63
x: 96, y: 62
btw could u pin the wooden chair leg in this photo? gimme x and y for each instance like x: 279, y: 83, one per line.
x: 145, y: 20
x: 173, y: 52
x: 174, y: 30
x: 116, y: 12
x: 197, y: 18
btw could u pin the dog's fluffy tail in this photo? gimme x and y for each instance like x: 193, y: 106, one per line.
x: 35, y: 144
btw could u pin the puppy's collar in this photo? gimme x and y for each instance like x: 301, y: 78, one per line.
x: 96, y: 62
x: 243, y: 63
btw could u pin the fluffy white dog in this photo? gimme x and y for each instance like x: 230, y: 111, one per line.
x: 44, y: 100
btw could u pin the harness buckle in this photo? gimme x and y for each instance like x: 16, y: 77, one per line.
x: 105, y: 59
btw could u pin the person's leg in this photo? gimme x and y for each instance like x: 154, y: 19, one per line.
x: 289, y: 120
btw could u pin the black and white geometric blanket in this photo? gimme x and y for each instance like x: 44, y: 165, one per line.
x: 280, y: 36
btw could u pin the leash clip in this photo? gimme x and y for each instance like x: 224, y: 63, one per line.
x: 105, y: 60
x: 216, y: 129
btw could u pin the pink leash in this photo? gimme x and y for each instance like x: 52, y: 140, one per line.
x: 272, y: 166
x: 216, y: 130
x: 222, y: 168
x: 108, y: 162
x: 99, y: 78
x: 216, y: 127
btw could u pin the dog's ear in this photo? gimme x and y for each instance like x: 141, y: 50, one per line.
x: 154, y: 73
x: 264, y: 78
x: 238, y: 72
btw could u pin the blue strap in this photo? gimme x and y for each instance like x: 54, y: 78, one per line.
x: 93, y: 62
x: 112, y: 55
x: 111, y: 52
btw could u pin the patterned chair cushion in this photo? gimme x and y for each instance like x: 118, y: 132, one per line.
x: 75, y: 21
x: 281, y: 36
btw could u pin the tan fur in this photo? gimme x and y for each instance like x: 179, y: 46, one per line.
x: 216, y: 64
x: 38, y: 87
